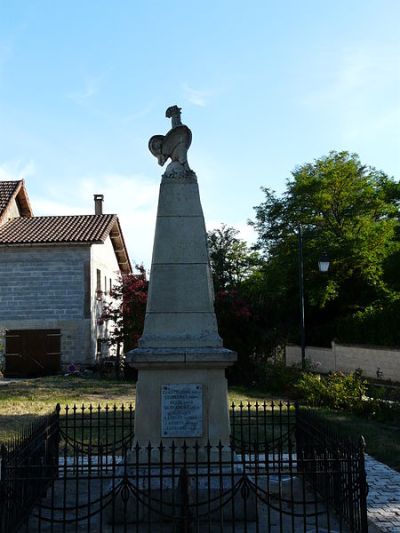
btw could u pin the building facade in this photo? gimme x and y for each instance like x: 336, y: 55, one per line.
x: 55, y: 274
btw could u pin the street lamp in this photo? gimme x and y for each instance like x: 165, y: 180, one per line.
x: 323, y: 266
x: 323, y: 263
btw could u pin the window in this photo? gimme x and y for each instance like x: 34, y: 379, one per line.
x: 99, y: 345
x: 99, y: 292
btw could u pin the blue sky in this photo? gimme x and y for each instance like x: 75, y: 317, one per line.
x: 264, y: 86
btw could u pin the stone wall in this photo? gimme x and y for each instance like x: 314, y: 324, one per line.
x: 44, y: 287
x: 347, y: 358
x: 54, y: 287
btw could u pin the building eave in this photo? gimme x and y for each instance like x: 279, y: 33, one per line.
x: 120, y: 250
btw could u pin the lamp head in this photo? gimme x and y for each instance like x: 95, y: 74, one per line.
x: 323, y: 263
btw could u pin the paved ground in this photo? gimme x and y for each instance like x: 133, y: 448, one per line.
x: 384, y: 496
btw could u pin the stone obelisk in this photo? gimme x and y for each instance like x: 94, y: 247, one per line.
x: 181, y: 392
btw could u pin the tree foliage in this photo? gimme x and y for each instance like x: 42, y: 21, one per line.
x: 345, y: 208
x: 240, y: 325
x: 126, y: 308
x: 231, y: 259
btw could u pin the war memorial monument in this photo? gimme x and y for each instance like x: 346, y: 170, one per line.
x: 181, y: 392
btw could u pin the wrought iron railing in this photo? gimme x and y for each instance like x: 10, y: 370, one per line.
x: 29, y: 465
x: 93, y: 430
x: 321, y: 448
x: 283, y: 471
x: 268, y: 424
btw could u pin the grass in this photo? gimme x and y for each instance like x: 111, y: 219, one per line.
x: 382, y: 439
x: 23, y: 401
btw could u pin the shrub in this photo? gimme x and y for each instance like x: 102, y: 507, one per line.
x: 337, y: 390
x: 277, y: 378
x: 311, y: 389
x: 379, y: 410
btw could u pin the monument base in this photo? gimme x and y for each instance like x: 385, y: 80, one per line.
x: 182, y: 396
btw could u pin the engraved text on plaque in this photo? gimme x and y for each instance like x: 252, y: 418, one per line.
x: 182, y: 410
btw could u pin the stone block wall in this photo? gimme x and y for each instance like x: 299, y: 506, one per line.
x: 348, y: 358
x: 44, y: 287
x: 42, y: 282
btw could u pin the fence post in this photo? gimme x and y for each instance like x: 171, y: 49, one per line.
x: 3, y: 489
x: 351, y: 492
x: 57, y: 439
x: 3, y: 454
x: 363, y: 486
x: 184, y: 488
x: 297, y: 432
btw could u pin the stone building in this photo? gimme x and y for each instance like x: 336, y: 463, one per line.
x: 55, y: 273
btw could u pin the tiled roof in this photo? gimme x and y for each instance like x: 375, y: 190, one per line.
x: 13, y: 190
x: 7, y: 189
x: 59, y: 229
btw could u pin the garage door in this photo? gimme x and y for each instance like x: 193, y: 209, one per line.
x: 32, y: 352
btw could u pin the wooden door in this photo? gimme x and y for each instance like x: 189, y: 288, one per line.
x: 32, y: 352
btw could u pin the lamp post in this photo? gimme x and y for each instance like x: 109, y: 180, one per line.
x: 323, y: 266
x: 301, y: 293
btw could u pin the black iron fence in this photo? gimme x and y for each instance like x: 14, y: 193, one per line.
x: 267, y: 424
x: 283, y: 472
x: 95, y: 430
x: 320, y: 448
x: 29, y: 465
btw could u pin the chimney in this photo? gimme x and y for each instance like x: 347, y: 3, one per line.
x: 98, y: 204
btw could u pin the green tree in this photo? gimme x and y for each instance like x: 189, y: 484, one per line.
x: 240, y: 325
x: 231, y: 259
x: 345, y: 208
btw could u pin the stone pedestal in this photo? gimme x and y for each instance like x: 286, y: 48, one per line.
x: 204, y: 418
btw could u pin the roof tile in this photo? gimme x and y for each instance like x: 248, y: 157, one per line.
x: 57, y: 229
x: 7, y: 189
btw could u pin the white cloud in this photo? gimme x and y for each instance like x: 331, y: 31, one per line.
x: 47, y: 207
x: 246, y: 232
x: 195, y: 96
x: 133, y: 198
x: 16, y: 169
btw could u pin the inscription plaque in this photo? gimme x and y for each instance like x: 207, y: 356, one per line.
x: 182, y: 410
